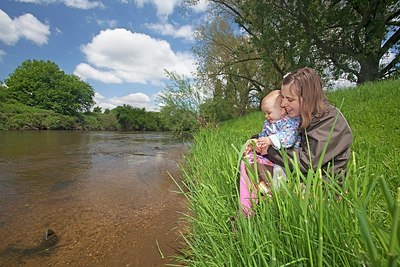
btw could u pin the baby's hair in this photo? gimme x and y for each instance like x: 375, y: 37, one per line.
x: 273, y: 96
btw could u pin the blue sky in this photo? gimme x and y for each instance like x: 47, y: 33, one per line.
x: 120, y: 47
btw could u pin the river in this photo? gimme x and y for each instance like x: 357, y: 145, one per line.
x: 108, y: 197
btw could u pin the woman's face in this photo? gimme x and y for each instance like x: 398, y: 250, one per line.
x: 290, y: 101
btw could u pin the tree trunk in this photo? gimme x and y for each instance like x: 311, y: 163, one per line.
x: 369, y: 70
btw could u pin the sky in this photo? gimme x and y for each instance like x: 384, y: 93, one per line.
x: 120, y: 47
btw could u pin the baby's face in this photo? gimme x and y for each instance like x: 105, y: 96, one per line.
x: 273, y: 111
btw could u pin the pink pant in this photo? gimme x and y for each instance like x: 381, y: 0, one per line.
x: 248, y: 190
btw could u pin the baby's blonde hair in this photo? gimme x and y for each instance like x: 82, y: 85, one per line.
x: 273, y: 96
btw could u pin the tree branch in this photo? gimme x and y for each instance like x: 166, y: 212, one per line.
x: 392, y: 16
x: 235, y: 12
x: 344, y: 67
x: 389, y: 66
x: 254, y: 82
x: 389, y: 43
x: 303, y: 19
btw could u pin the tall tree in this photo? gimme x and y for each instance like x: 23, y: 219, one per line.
x: 357, y: 38
x: 230, y: 67
x: 42, y: 84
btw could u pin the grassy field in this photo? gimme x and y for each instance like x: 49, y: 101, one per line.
x: 294, y: 228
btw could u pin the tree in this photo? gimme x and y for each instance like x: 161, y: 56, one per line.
x: 336, y: 37
x: 42, y: 84
x: 130, y: 118
x: 229, y: 67
x: 180, y: 102
x: 137, y: 119
x: 97, y: 109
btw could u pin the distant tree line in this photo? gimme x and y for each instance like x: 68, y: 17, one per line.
x: 38, y: 95
x: 132, y: 118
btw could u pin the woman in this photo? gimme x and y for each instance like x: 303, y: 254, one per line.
x: 321, y: 124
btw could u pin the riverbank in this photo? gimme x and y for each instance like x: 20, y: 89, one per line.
x: 289, y: 229
x: 16, y: 116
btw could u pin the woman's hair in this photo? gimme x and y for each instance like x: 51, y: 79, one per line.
x: 307, y: 85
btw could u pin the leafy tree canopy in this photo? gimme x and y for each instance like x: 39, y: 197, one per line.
x: 42, y: 84
x: 132, y: 118
x: 357, y: 39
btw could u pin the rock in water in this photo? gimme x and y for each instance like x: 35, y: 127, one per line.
x: 49, y: 239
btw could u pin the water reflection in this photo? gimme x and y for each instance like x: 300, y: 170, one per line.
x: 89, y: 186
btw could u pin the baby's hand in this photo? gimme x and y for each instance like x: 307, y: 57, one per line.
x: 250, y: 147
x: 262, y: 145
x: 262, y: 150
x: 263, y: 142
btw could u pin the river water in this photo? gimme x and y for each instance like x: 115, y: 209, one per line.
x: 108, y: 196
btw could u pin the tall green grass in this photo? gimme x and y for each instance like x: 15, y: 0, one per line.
x: 301, y: 224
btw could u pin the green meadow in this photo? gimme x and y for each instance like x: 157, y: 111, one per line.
x: 308, y: 221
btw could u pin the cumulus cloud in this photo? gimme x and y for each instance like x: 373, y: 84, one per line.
x: 184, y: 32
x: 79, y: 4
x: 26, y: 26
x: 119, y: 55
x: 164, y: 8
x: 139, y: 100
x: 86, y: 71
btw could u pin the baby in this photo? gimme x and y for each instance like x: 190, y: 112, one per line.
x: 279, y: 131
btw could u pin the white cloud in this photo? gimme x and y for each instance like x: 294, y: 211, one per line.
x: 164, y: 8
x: 111, y: 23
x: 201, y: 6
x: 185, y: 32
x: 83, y: 4
x: 105, y: 23
x: 120, y: 55
x: 58, y: 31
x: 139, y: 100
x: 2, y: 54
x: 86, y: 71
x: 26, y: 26
x: 80, y: 4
